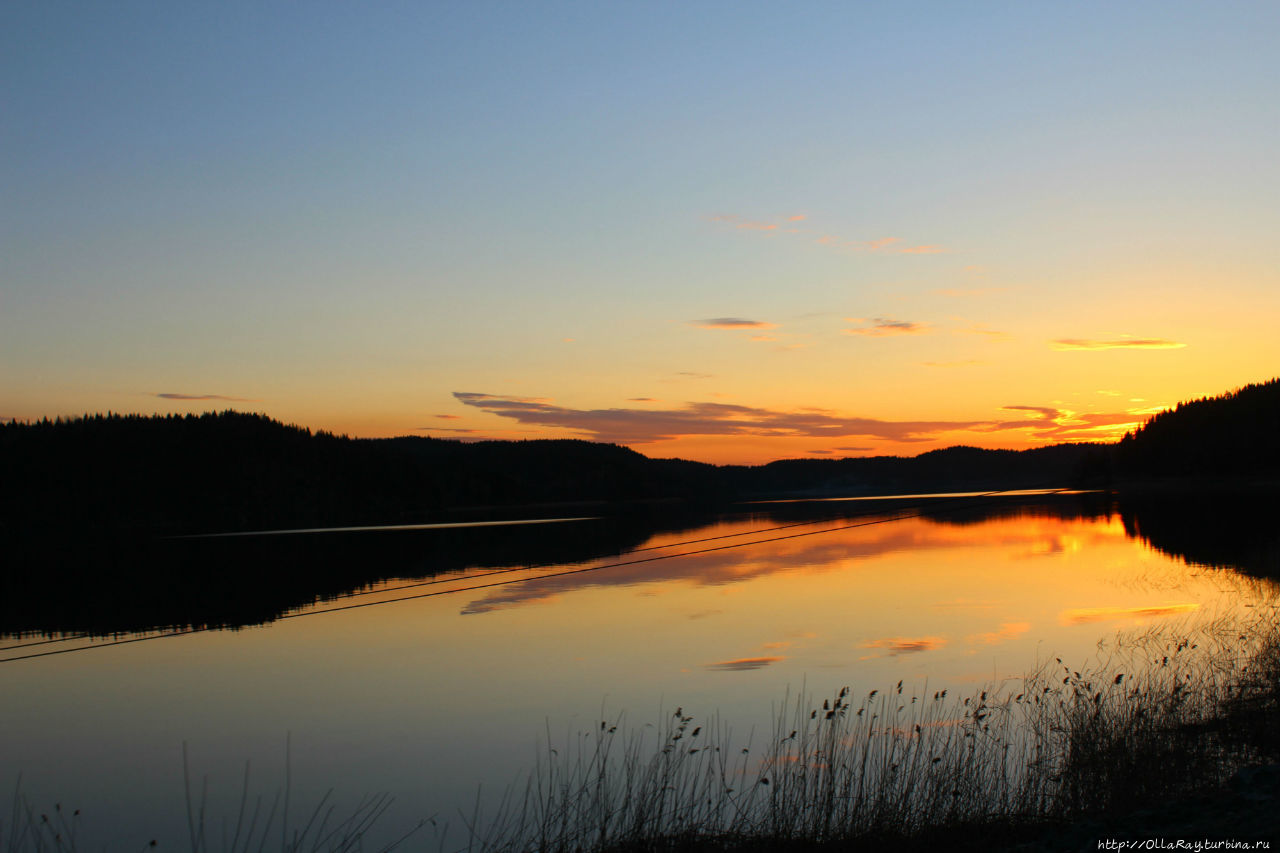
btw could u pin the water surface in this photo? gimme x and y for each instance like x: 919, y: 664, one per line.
x: 431, y: 673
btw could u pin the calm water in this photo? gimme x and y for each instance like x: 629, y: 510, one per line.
x: 431, y: 697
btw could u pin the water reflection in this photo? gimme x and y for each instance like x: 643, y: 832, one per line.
x: 428, y: 698
x: 124, y: 585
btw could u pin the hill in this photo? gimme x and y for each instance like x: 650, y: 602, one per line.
x: 237, y: 471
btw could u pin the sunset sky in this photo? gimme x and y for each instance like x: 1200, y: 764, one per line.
x: 731, y: 232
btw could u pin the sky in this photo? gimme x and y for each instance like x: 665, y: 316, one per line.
x: 731, y: 232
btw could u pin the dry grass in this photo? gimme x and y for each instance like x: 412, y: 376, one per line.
x: 1167, y: 712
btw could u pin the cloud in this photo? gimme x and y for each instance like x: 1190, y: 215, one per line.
x: 1043, y: 411
x: 880, y: 245
x: 637, y: 426
x: 743, y: 224
x: 742, y: 664
x: 882, y: 326
x: 732, y: 323
x: 856, y: 449
x: 642, y: 400
x: 960, y: 292
x: 174, y: 396
x: 1048, y: 423
x: 760, y: 339
x: 449, y: 417
x: 906, y: 645
x: 1123, y: 343
x: 993, y: 334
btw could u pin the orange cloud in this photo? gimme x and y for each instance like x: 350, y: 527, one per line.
x: 743, y: 224
x: 1123, y: 343
x: 175, y: 396
x: 991, y: 334
x: 638, y: 426
x: 732, y: 323
x: 449, y: 417
x: 882, y: 326
x: 882, y: 243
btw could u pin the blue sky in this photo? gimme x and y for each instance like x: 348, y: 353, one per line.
x: 343, y: 216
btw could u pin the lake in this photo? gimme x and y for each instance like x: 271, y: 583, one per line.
x: 431, y: 663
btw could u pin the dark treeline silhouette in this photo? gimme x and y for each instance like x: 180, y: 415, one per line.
x: 1229, y: 436
x: 235, y: 471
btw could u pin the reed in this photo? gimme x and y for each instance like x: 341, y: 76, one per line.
x: 1162, y: 714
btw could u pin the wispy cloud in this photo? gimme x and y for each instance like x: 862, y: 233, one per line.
x: 1121, y: 343
x: 449, y: 417
x: 642, y: 425
x: 744, y: 224
x: 965, y: 292
x: 174, y: 396
x: 881, y: 245
x: 989, y: 334
x: 732, y: 323
x: 637, y: 426
x: 741, y: 664
x: 1048, y: 423
x: 882, y: 326
x: 906, y: 645
x: 1043, y: 411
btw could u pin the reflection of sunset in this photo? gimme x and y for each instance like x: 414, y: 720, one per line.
x: 1085, y: 615
x: 906, y: 645
x: 739, y: 664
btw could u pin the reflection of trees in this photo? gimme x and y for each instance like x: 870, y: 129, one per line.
x: 1215, y: 530
x: 127, y: 584
x: 111, y: 584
